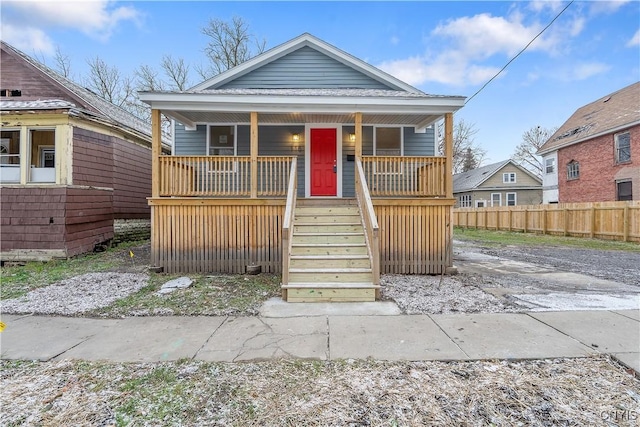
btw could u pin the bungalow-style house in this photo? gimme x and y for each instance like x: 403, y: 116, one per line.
x: 304, y: 161
x: 70, y: 163
x: 595, y: 155
x: 499, y: 184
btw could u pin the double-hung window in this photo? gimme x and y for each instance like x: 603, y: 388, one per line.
x: 573, y: 170
x: 509, y: 177
x: 623, y: 147
x: 550, y: 165
x: 221, y: 142
x: 496, y: 199
x: 512, y: 199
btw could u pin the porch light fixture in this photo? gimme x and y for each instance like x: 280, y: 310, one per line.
x: 352, y: 137
x: 296, y: 137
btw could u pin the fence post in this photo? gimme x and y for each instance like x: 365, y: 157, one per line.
x: 526, y: 218
x: 565, y: 214
x: 510, y: 219
x: 625, y: 223
x: 544, y: 219
x: 498, y: 219
x: 592, y: 232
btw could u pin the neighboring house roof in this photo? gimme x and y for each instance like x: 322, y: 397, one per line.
x: 85, y: 101
x: 611, y: 113
x: 387, y: 100
x: 474, y: 178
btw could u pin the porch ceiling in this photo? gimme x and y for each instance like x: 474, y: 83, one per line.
x: 300, y: 118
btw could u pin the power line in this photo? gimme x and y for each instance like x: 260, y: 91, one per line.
x: 519, y: 53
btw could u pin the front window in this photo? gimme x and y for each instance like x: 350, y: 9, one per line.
x: 10, y: 156
x: 40, y: 156
x: 511, y: 199
x: 509, y: 177
x: 550, y: 165
x: 221, y: 143
x: 623, y: 147
x: 496, y: 199
x: 624, y: 190
x: 388, y: 141
x: 573, y: 170
x: 465, y: 201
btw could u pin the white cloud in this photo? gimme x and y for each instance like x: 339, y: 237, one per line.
x: 598, y: 7
x: 472, y: 40
x: 541, y: 5
x: 27, y: 39
x: 96, y: 18
x: 635, y: 40
x: 581, y: 71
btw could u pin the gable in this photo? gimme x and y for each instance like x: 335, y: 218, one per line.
x: 17, y: 74
x: 304, y: 68
x: 523, y: 179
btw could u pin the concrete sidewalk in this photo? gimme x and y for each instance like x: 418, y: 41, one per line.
x: 531, y: 335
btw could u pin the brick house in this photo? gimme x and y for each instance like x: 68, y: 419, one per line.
x: 595, y: 155
x: 70, y: 163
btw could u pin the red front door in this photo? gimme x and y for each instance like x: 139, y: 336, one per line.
x: 324, y: 176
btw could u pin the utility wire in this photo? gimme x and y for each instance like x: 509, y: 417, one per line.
x: 519, y: 53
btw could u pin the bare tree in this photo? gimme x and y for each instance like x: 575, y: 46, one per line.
x: 63, y: 63
x: 230, y: 44
x: 107, y: 82
x: 177, y: 71
x: 465, y: 149
x: 525, y: 152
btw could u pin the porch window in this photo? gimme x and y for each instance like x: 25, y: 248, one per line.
x: 496, y: 199
x: 623, y: 147
x: 43, y: 155
x: 511, y: 199
x: 10, y: 156
x: 387, y: 141
x: 480, y: 203
x: 221, y: 142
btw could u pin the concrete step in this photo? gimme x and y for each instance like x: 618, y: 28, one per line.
x: 328, y: 294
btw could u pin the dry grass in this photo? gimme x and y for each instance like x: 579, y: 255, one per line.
x: 567, y: 392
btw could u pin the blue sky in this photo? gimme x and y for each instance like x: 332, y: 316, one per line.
x: 446, y: 48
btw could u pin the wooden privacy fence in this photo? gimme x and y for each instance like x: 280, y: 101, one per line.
x: 222, y: 176
x: 405, y: 176
x: 603, y: 220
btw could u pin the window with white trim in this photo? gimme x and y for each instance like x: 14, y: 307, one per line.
x: 508, y: 177
x: 42, y: 144
x: 465, y: 201
x: 573, y: 170
x: 221, y: 142
x: 480, y: 203
x: 550, y: 165
x: 512, y: 199
x: 496, y: 199
x: 387, y: 141
x: 10, y: 156
x: 623, y: 147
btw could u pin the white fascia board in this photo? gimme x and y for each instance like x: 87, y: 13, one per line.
x: 588, y: 137
x: 235, y: 103
x: 188, y: 123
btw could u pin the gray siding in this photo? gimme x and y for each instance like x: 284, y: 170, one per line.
x: 276, y: 141
x: 419, y: 144
x: 190, y: 142
x: 305, y: 68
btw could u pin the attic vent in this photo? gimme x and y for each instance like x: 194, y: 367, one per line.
x: 608, y: 98
x: 10, y: 92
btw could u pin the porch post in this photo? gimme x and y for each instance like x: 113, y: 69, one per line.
x: 358, y: 125
x: 448, y: 152
x: 254, y: 154
x: 156, y: 149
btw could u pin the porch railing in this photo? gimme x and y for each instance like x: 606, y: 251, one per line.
x: 371, y: 227
x: 287, y: 226
x: 222, y: 176
x: 399, y: 176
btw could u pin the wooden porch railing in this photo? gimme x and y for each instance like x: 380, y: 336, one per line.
x: 222, y: 176
x: 372, y: 230
x: 398, y: 176
x: 287, y: 227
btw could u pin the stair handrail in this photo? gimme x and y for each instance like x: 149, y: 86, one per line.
x: 287, y: 226
x: 371, y: 228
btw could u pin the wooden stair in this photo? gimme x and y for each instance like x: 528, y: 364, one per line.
x: 329, y: 258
